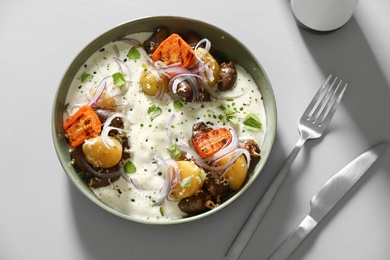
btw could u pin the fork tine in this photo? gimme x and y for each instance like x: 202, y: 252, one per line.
x: 332, y: 106
x: 331, y: 95
x: 321, y: 107
x: 313, y: 104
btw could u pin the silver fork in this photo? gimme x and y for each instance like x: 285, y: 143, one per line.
x: 312, y: 125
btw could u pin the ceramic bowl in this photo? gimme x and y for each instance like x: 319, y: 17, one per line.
x: 225, y: 42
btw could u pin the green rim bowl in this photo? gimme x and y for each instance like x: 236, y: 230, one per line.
x: 225, y: 42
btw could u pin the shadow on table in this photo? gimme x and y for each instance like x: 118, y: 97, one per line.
x: 275, y: 221
x: 346, y: 53
x: 102, y: 235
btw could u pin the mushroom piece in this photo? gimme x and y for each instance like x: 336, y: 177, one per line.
x: 227, y: 76
x: 158, y: 36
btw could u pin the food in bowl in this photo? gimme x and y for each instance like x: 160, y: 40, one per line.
x: 163, y: 126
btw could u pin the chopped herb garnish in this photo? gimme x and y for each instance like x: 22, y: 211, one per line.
x: 162, y: 211
x: 230, y: 112
x: 154, y: 111
x: 85, y: 77
x: 252, y: 122
x: 187, y: 182
x: 174, y: 151
x: 202, y: 175
x: 233, y: 120
x: 119, y: 79
x: 230, y: 116
x: 177, y: 105
x: 129, y: 167
x: 133, y: 54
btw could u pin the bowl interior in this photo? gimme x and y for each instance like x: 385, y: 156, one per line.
x: 219, y: 38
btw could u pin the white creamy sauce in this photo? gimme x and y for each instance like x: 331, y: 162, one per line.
x: 148, y: 137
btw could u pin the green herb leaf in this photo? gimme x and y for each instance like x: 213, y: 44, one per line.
x: 230, y: 116
x: 202, y: 175
x: 252, y: 122
x: 230, y: 112
x: 129, y: 167
x: 154, y: 111
x: 187, y: 182
x: 232, y: 120
x: 85, y: 77
x: 222, y: 106
x: 174, y: 151
x: 133, y: 54
x: 162, y: 211
x: 119, y: 79
x: 177, y: 105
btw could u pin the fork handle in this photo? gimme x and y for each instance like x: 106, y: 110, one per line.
x: 258, y: 212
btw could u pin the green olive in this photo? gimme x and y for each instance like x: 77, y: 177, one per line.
x: 152, y: 85
x: 236, y: 175
x: 212, y: 65
x: 100, y: 155
x: 191, y: 180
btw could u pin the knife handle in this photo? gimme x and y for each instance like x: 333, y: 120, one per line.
x: 258, y: 212
x: 294, y: 239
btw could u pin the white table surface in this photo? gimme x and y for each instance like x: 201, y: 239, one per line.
x: 43, y: 216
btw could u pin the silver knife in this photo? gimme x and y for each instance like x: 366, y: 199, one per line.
x: 327, y: 197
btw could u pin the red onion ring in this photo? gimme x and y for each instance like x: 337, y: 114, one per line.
x: 225, y: 167
x: 191, y: 152
x: 212, y: 92
x: 107, y: 128
x: 173, y: 171
x: 233, y: 144
x: 169, y: 127
x: 99, y: 174
x: 76, y: 103
x: 202, y: 67
x: 155, y: 73
x: 116, y: 50
x: 175, y: 81
x: 166, y: 187
x: 130, y: 41
x: 239, y: 152
x: 207, y: 48
x: 144, y: 54
x: 168, y: 168
x: 176, y: 70
x: 122, y: 66
x: 133, y: 182
x: 99, y: 91
x: 210, y: 162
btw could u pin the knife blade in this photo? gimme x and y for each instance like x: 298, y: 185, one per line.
x: 327, y: 197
